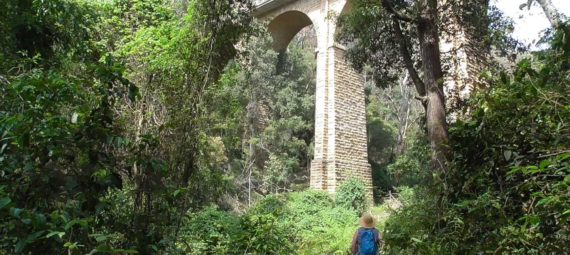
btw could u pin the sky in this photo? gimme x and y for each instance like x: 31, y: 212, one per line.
x: 529, y: 23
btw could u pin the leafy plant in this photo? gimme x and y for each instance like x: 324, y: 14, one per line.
x: 352, y: 195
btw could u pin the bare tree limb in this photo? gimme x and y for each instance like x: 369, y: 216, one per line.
x: 422, y: 99
x: 407, y: 57
x: 550, y: 11
x: 4, y: 80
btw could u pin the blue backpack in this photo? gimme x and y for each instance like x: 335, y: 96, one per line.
x: 367, y: 239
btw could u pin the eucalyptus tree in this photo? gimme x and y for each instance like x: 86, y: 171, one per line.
x: 388, y: 33
x: 550, y: 11
x: 440, y: 44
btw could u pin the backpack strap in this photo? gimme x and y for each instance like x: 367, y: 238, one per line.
x: 358, y: 234
x: 376, y: 235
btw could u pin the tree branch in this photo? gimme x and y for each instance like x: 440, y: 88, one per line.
x: 387, y: 4
x: 406, y: 56
x: 422, y: 99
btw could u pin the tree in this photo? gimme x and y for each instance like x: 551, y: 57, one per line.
x: 504, y: 192
x: 465, y: 51
x: 394, y: 35
x: 549, y: 10
x: 420, y: 20
x: 101, y: 142
x: 265, y: 117
x: 173, y: 164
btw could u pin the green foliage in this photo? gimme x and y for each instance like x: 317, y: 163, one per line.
x: 263, y: 231
x: 396, y: 145
x: 78, y: 174
x: 209, y: 231
x: 299, y: 222
x: 352, y: 195
x: 507, y: 190
x: 57, y: 135
x: 411, y: 168
x: 264, y: 117
x: 369, y: 29
x: 406, y: 229
x: 321, y: 226
x: 53, y: 30
x: 374, y: 44
x: 382, y: 132
x: 543, y: 227
x: 121, y: 120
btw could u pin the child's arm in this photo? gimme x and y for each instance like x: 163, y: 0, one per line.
x: 381, y: 242
x: 380, y: 237
x: 354, y: 243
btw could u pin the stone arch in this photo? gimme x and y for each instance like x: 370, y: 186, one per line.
x: 285, y: 26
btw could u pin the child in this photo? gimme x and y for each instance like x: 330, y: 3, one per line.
x: 366, y: 240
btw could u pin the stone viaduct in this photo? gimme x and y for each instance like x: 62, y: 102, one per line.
x: 340, y: 115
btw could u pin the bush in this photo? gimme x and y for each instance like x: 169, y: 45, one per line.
x: 272, y: 204
x: 320, y: 227
x: 296, y: 223
x: 412, y: 167
x: 407, y: 229
x: 263, y: 234
x: 328, y: 231
x: 351, y: 195
x: 208, y: 232
x: 262, y: 231
x: 309, y: 202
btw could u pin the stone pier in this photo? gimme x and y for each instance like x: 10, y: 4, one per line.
x: 340, y: 112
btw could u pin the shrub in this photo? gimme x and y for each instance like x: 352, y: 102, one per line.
x: 272, y: 204
x: 262, y: 231
x: 263, y: 234
x: 208, y: 232
x: 406, y: 229
x: 309, y: 202
x: 329, y: 231
x: 297, y: 223
x: 320, y: 227
x: 352, y: 195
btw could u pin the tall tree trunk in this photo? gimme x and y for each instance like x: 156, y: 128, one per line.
x: 551, y: 12
x: 463, y: 52
x: 403, y: 115
x: 430, y: 89
x: 252, y: 119
x: 433, y: 80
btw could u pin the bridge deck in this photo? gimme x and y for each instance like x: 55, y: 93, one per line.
x: 265, y: 6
